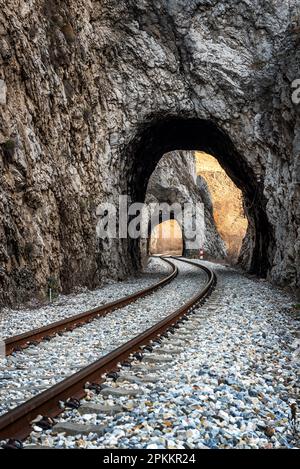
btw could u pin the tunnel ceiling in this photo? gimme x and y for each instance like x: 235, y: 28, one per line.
x: 172, y: 134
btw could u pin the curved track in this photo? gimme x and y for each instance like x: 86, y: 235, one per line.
x: 17, y: 342
x: 17, y: 423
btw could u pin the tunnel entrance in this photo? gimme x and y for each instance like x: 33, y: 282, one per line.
x: 166, y: 239
x: 162, y: 135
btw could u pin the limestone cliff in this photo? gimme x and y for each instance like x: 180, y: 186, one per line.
x: 93, y: 93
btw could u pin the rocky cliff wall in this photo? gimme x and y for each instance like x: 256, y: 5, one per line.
x: 93, y: 93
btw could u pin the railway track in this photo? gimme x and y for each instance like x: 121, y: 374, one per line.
x: 21, y: 341
x: 17, y: 423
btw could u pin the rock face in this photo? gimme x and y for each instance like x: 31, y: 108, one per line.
x: 94, y: 93
x: 227, y: 200
x: 174, y: 181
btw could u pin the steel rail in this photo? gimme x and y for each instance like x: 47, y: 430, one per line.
x: 17, y: 422
x: 17, y: 342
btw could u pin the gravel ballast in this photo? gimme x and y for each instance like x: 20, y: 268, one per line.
x: 230, y: 379
x: 14, y: 322
x: 31, y: 371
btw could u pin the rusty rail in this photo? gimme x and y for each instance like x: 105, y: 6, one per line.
x: 15, y: 343
x: 17, y: 422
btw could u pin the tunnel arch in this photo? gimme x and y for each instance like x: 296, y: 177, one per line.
x: 162, y: 218
x: 162, y: 135
x: 153, y: 230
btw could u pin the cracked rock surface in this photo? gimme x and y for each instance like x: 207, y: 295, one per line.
x: 86, y: 89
